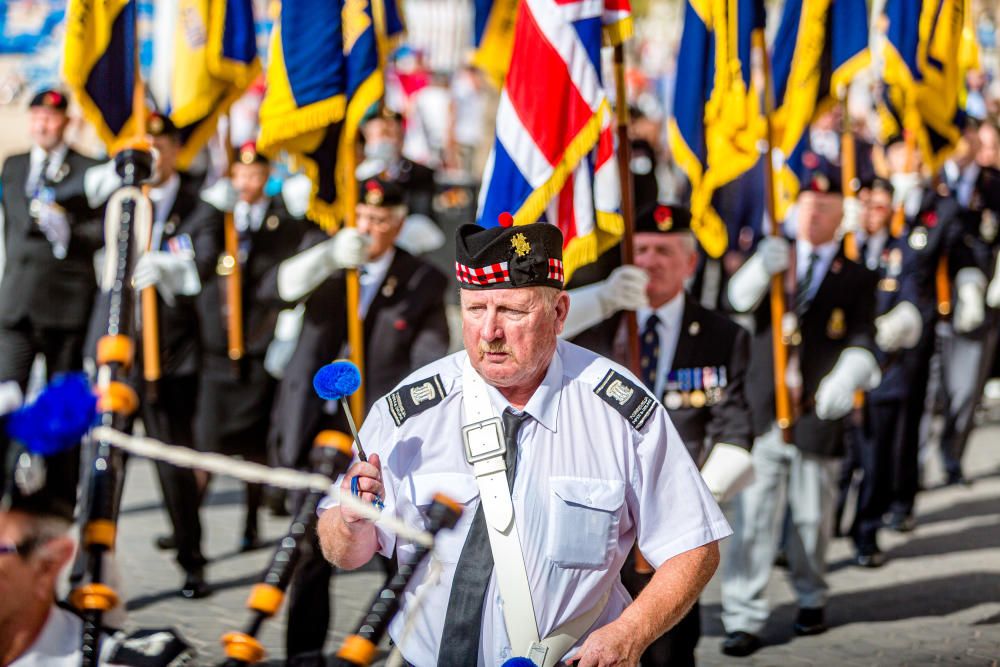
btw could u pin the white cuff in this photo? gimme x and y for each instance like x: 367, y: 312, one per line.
x: 301, y: 274
x: 728, y: 470
x: 585, y: 310
x: 749, y: 285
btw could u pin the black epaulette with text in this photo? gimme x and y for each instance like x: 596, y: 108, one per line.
x: 626, y: 398
x: 412, y: 399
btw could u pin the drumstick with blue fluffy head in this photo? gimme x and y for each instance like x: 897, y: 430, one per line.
x: 335, y: 382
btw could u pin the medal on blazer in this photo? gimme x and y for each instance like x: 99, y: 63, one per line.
x: 836, y: 327
x: 697, y: 397
x: 272, y: 222
x: 389, y: 287
x: 684, y: 375
x: 61, y: 173
x: 918, y: 238
x: 672, y: 397
x: 988, y: 226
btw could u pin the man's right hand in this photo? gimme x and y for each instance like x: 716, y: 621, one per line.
x: 369, y: 476
x: 348, y: 249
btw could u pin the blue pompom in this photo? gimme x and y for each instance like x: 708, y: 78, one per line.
x: 59, y: 417
x: 518, y: 662
x: 336, y: 380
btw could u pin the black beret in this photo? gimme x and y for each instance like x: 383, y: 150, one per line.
x: 663, y: 219
x: 884, y: 184
x: 50, y: 99
x: 247, y: 154
x: 160, y: 125
x: 379, y: 191
x: 509, y: 256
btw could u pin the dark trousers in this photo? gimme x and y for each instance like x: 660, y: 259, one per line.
x: 170, y: 419
x: 906, y: 469
x: 875, y: 442
x: 675, y: 648
x: 309, y: 613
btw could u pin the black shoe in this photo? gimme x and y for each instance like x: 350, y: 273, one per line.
x: 956, y: 478
x: 195, y: 586
x: 165, y: 543
x: 810, y: 622
x: 870, y: 559
x: 740, y: 644
x: 901, y: 523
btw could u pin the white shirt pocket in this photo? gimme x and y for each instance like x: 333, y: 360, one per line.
x: 583, y: 520
x: 459, y: 487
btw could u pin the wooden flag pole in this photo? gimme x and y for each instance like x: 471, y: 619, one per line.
x: 151, y: 371
x: 628, y: 206
x: 848, y: 174
x: 642, y: 566
x: 782, y: 397
x: 234, y: 280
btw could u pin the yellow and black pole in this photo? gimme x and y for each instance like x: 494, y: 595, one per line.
x: 848, y: 175
x: 331, y: 455
x: 234, y: 282
x: 782, y: 396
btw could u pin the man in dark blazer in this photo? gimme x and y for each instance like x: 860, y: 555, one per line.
x: 402, y: 303
x: 184, y: 250
x: 235, y: 397
x: 830, y: 332
x: 50, y: 234
x: 695, y: 360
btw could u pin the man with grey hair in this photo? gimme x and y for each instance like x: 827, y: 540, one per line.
x: 562, y: 461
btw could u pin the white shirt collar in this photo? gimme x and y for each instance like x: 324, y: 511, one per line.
x: 166, y: 192
x: 544, y: 403
x: 254, y: 212
x: 56, y: 156
x: 825, y: 252
x: 375, y: 271
x: 671, y: 313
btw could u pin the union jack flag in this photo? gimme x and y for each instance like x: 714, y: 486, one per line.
x: 554, y: 153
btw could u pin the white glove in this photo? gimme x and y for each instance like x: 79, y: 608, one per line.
x: 728, y: 470
x: 970, y: 307
x: 172, y: 275
x: 749, y: 284
x: 993, y: 292
x: 854, y: 211
x: 100, y: 182
x: 222, y: 195
x: 903, y: 185
x: 54, y: 224
x: 301, y: 274
x: 624, y: 289
x: 419, y: 235
x: 900, y: 328
x: 856, y: 369
x: 11, y: 397
x: 297, y: 191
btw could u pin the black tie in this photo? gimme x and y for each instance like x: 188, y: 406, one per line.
x: 464, y: 619
x: 802, y: 295
x: 649, y: 351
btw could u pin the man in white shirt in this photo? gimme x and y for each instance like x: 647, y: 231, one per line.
x: 589, y: 464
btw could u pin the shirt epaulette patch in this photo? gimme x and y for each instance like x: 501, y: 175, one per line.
x: 412, y: 399
x: 627, y: 398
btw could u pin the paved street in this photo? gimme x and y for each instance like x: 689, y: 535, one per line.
x: 936, y: 601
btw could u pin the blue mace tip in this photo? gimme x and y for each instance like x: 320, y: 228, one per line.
x: 518, y: 662
x: 336, y: 380
x: 59, y: 417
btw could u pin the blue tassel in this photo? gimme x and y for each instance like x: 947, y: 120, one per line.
x: 337, y: 380
x: 59, y: 417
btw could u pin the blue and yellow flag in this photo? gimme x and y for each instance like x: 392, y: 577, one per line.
x: 717, y: 121
x: 819, y: 48
x: 493, y: 37
x: 214, y: 60
x: 324, y: 75
x: 924, y: 83
x: 100, y: 65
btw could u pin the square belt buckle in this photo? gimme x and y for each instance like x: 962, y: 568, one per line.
x: 483, y: 440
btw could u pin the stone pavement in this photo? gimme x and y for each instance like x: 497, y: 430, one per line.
x: 936, y: 601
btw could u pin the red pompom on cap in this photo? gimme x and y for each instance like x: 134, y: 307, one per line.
x: 506, y: 220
